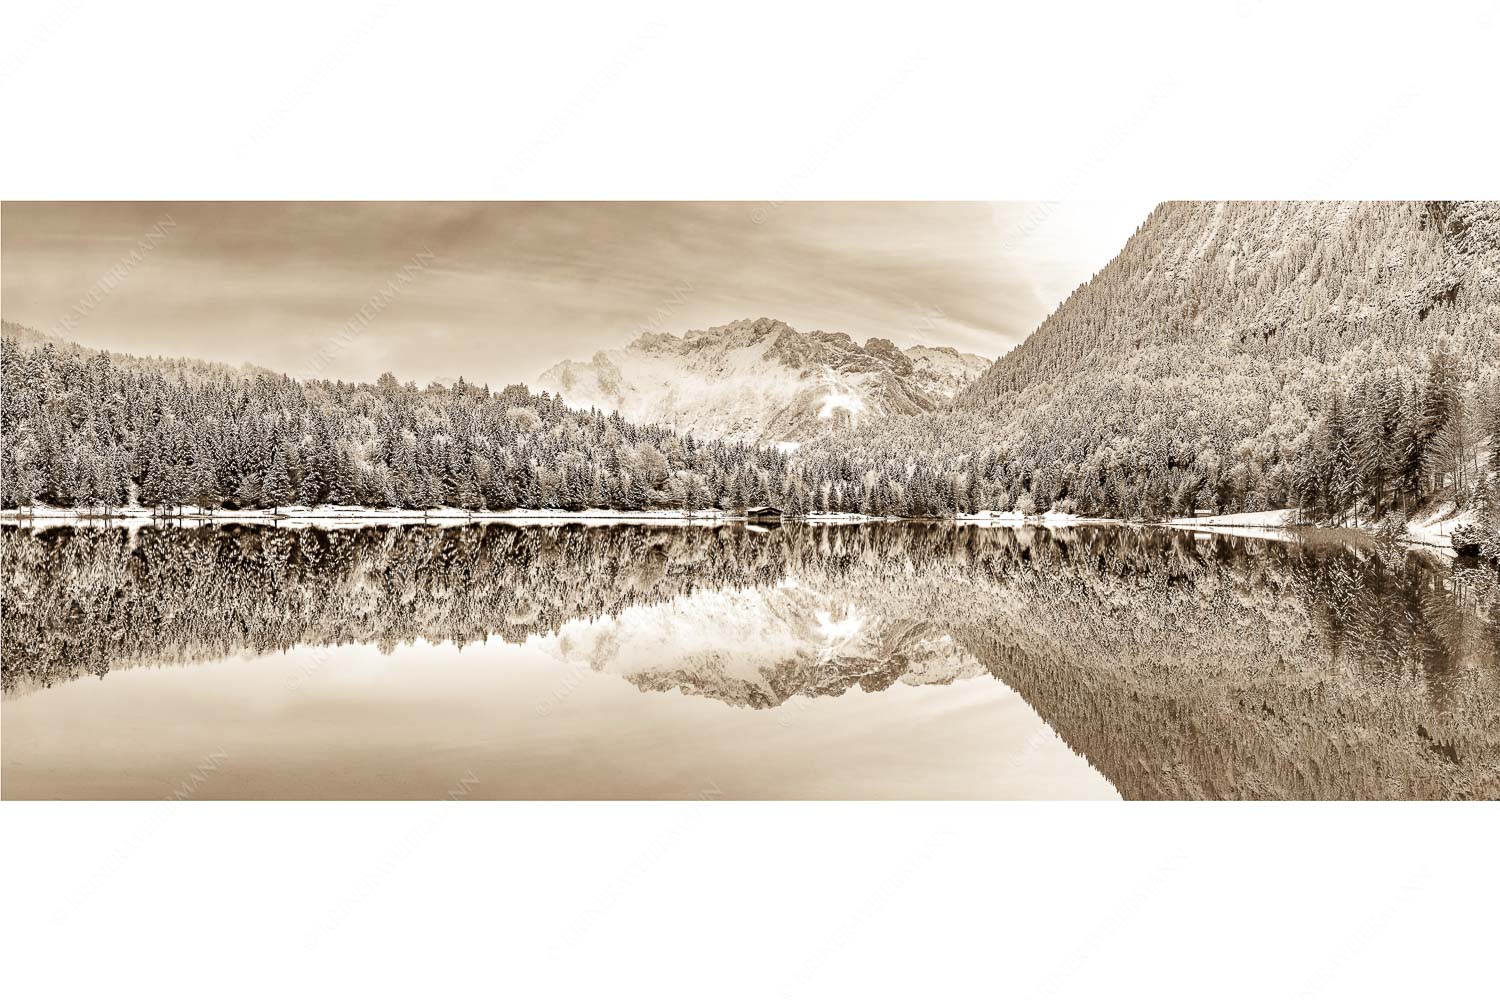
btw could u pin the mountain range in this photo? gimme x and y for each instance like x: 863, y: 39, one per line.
x: 762, y: 382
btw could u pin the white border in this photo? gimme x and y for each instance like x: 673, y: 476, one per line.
x: 1257, y: 98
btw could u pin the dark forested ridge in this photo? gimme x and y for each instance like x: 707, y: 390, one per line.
x: 1341, y: 357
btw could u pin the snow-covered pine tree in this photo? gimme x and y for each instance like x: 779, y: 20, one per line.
x: 277, y: 489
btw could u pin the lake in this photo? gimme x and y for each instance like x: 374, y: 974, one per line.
x: 876, y: 661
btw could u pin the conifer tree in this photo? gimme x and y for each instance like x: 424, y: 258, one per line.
x: 277, y: 489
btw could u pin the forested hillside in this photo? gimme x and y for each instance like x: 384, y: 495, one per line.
x: 85, y: 428
x: 1234, y: 356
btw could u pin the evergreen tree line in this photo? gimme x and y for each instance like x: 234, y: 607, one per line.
x: 94, y: 430
x: 1390, y: 441
x: 1340, y: 357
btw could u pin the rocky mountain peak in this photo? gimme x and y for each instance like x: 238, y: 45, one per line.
x: 761, y: 380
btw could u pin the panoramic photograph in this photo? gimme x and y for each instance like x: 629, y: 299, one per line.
x: 780, y: 501
x: 750, y: 500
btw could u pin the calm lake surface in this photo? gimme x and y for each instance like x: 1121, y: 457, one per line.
x: 724, y: 662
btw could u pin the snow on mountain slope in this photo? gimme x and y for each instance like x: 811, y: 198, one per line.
x: 760, y: 647
x: 761, y: 381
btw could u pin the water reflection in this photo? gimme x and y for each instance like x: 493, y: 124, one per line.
x: 1178, y: 666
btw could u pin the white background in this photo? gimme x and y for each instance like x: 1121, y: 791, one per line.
x: 765, y: 102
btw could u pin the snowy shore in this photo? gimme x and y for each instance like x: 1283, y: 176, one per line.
x: 355, y: 517
x: 1437, y: 529
x: 1434, y: 530
x: 1051, y: 519
x: 1251, y: 524
x: 296, y: 516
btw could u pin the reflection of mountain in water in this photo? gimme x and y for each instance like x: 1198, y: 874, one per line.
x: 1181, y: 667
x: 759, y: 647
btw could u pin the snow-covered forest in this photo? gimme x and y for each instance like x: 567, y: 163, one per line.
x: 90, y: 429
x: 1381, y: 441
x: 1342, y: 358
x: 93, y: 430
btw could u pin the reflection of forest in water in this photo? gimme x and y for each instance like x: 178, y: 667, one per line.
x: 1181, y: 666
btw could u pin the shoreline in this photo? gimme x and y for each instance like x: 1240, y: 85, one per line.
x: 361, y: 517
x: 1269, y: 525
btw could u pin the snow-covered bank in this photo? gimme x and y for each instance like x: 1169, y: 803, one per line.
x: 335, y: 516
x: 1286, y: 517
x: 292, y: 516
x: 1437, y: 528
x: 991, y: 517
x: 1434, y: 529
x: 1051, y: 518
x: 1267, y: 524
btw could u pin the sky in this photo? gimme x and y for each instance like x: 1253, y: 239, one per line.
x: 499, y: 291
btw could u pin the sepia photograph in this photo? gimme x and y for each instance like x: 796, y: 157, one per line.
x: 787, y: 501
x: 1221, y: 523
